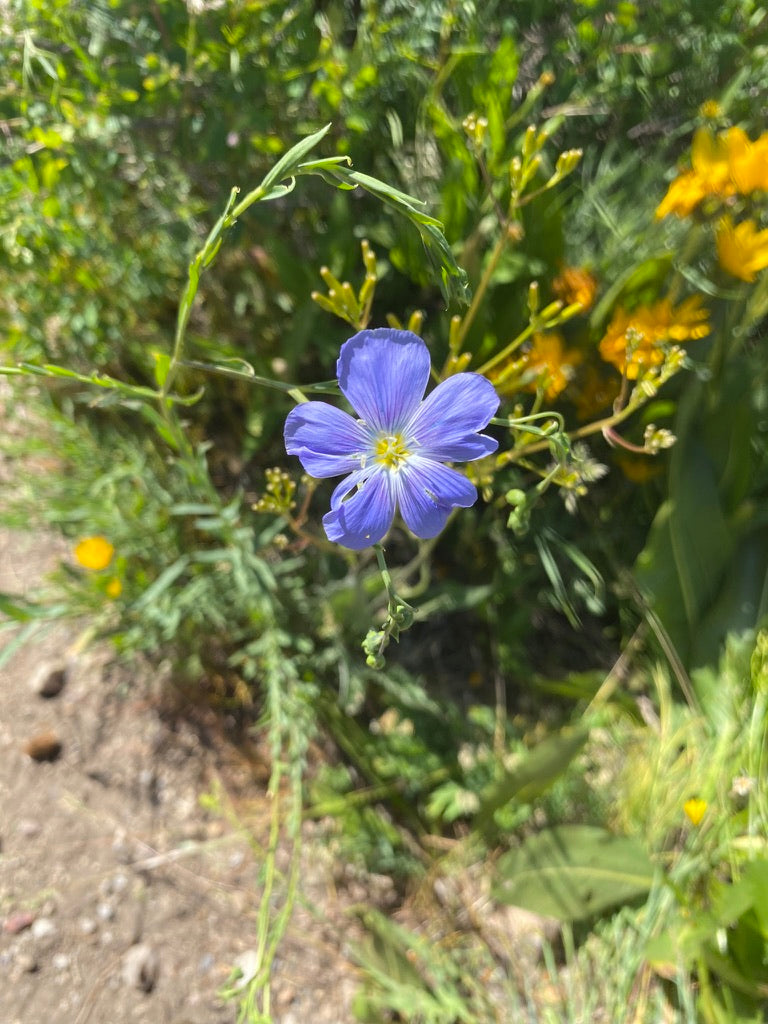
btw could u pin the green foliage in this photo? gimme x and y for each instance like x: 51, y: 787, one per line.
x: 704, y: 562
x: 574, y: 872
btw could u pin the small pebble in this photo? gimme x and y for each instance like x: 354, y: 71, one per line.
x: 48, y: 680
x: 248, y: 965
x: 105, y: 911
x: 61, y: 961
x: 46, y: 746
x: 17, y: 922
x: 119, y: 883
x: 43, y: 928
x: 141, y: 967
x: 87, y: 926
x: 26, y: 963
x: 27, y: 828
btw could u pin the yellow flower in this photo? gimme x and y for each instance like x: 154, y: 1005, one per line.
x: 711, y: 109
x: 552, y: 364
x: 709, y: 158
x: 575, y: 284
x: 94, y: 553
x: 637, y: 340
x: 114, y: 588
x: 742, y: 250
x: 683, y: 196
x: 710, y: 176
x: 747, y: 161
x: 695, y: 810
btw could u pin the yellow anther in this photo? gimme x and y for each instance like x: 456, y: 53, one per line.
x: 390, y: 450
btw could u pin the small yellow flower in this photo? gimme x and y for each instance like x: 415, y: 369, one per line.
x: 709, y: 158
x: 711, y: 109
x: 710, y: 176
x: 575, y: 284
x: 695, y: 810
x: 552, y: 363
x: 94, y: 553
x: 747, y: 161
x: 637, y: 340
x: 114, y: 588
x: 683, y: 196
x: 742, y: 250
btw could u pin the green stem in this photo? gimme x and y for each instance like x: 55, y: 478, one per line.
x: 384, y: 570
x: 505, y: 352
x: 200, y: 263
x: 482, y: 287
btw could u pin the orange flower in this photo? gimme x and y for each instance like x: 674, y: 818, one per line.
x: 552, y: 364
x: 575, y: 284
x: 741, y: 250
x: 94, y: 553
x: 637, y: 340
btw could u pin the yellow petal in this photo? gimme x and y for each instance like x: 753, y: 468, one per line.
x: 94, y: 553
x: 695, y: 810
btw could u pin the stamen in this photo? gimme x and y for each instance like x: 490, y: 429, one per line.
x: 390, y: 450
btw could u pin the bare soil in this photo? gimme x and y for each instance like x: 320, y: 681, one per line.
x: 123, y: 898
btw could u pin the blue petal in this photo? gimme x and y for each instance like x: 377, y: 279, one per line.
x: 447, y: 422
x: 427, y: 491
x: 328, y: 441
x: 384, y: 374
x: 363, y: 519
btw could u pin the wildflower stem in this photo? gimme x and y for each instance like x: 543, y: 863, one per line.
x: 482, y: 287
x: 598, y: 427
x: 200, y: 263
x: 506, y: 352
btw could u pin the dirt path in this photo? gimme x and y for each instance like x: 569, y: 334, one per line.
x: 122, y: 899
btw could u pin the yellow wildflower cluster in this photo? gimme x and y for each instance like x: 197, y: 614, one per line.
x: 638, y: 340
x: 742, y: 250
x: 724, y: 165
x: 575, y: 284
x: 552, y: 364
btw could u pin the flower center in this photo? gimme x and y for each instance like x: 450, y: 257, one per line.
x: 390, y: 450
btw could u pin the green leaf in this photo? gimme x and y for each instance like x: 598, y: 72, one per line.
x: 164, y: 581
x: 543, y: 765
x: 289, y: 163
x: 573, y: 872
x: 454, y: 283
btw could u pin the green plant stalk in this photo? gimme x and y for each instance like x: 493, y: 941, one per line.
x: 199, y: 264
x: 270, y: 930
x: 482, y: 288
x: 757, y: 752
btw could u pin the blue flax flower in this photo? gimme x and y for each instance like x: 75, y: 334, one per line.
x: 394, y: 453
